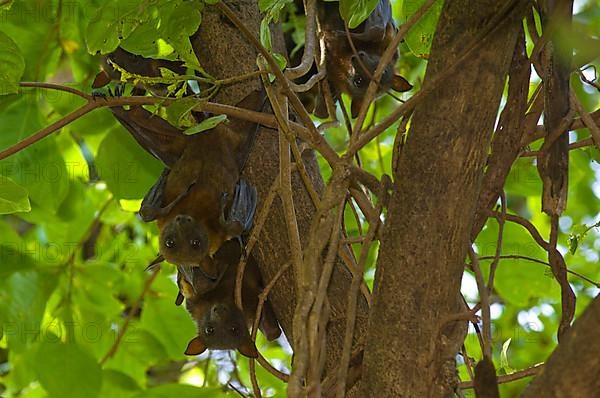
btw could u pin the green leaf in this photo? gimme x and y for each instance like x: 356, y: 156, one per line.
x: 179, y: 391
x: 354, y: 12
x: 420, y: 35
x: 523, y: 179
x: 6, y: 4
x: 504, y: 357
x: 518, y: 281
x: 281, y: 60
x: 23, y: 298
x: 178, y: 113
x: 272, y: 8
x: 103, y: 33
x: 127, y: 169
x: 116, y: 384
x: 39, y: 168
x: 265, y: 34
x: 12, y: 65
x: 13, y: 197
x: 65, y: 370
x: 159, y: 316
x: 573, y: 243
x: 34, y: 29
x: 145, y: 41
x: 94, y: 293
x: 206, y: 124
x: 182, y: 22
x: 179, y: 25
x: 138, y: 350
x: 13, y: 258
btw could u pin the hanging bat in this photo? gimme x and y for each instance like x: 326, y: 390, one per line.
x: 221, y: 324
x: 199, y: 201
x: 349, y: 70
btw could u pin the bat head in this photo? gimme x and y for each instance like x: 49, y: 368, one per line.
x: 222, y: 327
x: 184, y: 241
x: 363, y: 68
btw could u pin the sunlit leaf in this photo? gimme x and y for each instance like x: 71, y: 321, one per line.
x: 13, y: 197
x: 65, y: 370
x: 355, y: 12
x: 206, y: 124
x: 12, y: 65
x: 420, y: 35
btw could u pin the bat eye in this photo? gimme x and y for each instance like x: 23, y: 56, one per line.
x: 358, y: 81
x: 234, y: 330
x: 209, y: 330
x: 170, y: 243
x: 195, y: 243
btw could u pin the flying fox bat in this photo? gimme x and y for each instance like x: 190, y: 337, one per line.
x: 221, y: 324
x: 200, y: 200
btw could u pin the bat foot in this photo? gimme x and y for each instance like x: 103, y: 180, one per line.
x: 119, y: 90
x: 98, y: 93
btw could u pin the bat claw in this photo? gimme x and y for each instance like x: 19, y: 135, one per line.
x: 98, y: 93
x: 159, y: 259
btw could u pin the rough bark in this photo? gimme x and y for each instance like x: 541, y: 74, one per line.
x: 434, y: 201
x: 553, y: 159
x: 512, y: 127
x: 553, y: 164
x: 223, y: 52
x: 573, y: 368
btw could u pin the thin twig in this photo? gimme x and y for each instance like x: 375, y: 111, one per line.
x: 57, y: 87
x: 385, y: 60
x: 357, y: 279
x: 575, y: 145
x: 256, y: 230
x: 265, y: 119
x: 134, y: 309
x: 593, y: 83
x: 468, y: 362
x: 70, y: 263
x: 494, y: 24
x: 559, y: 270
x: 501, y: 222
x: 587, y: 119
x: 253, y: 380
x: 313, y: 137
x: 525, y: 223
x: 521, y: 374
x: 485, y: 304
x: 535, y: 260
x: 46, y: 131
x: 310, y: 40
x: 262, y: 298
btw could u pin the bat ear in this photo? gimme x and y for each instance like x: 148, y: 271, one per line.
x: 179, y: 299
x: 248, y: 349
x: 196, y: 346
x: 268, y: 323
x: 355, y: 107
x: 101, y: 79
x: 400, y: 84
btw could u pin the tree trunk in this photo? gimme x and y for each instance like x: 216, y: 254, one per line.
x: 573, y: 368
x: 432, y: 210
x: 223, y: 52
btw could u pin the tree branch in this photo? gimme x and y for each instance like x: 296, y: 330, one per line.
x: 573, y: 368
